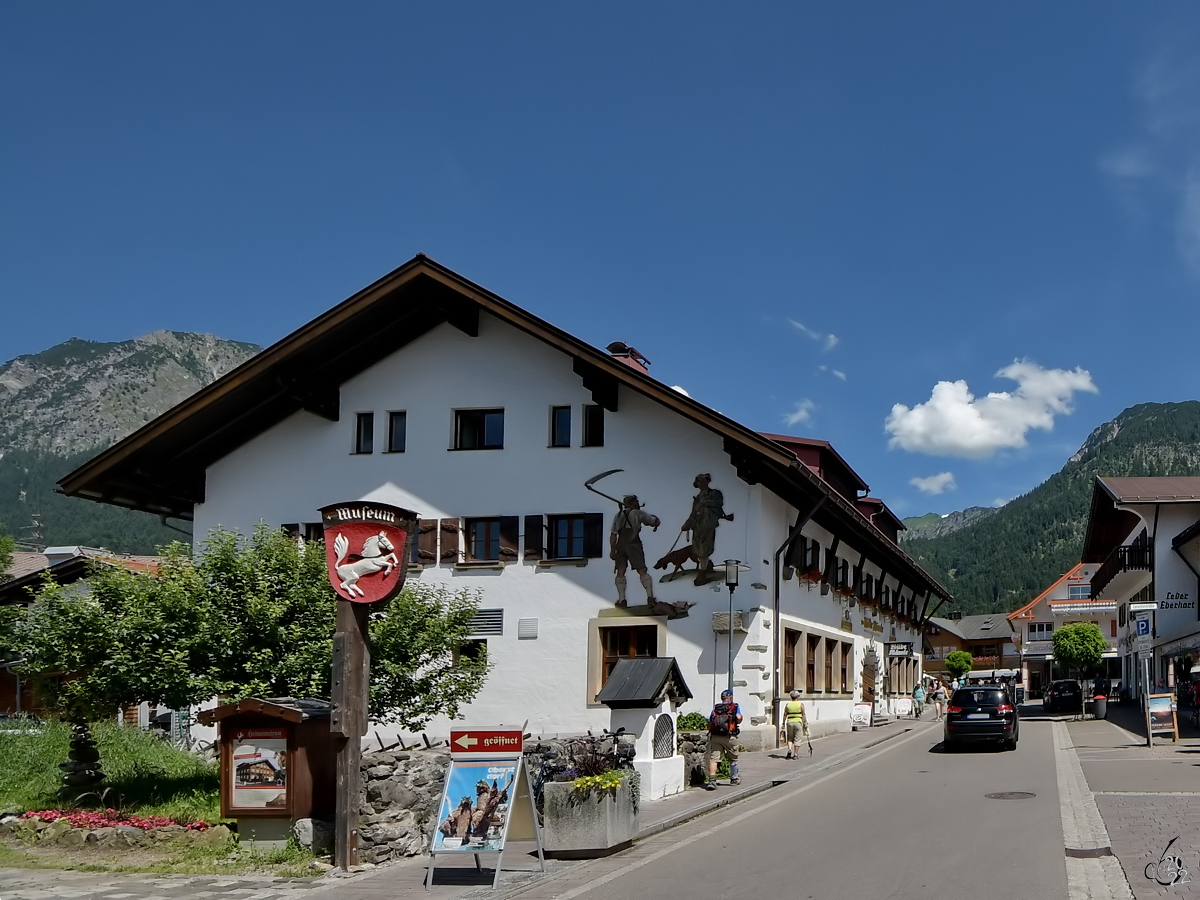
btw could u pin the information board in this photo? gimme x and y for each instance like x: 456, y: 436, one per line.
x: 259, y: 765
x: 1162, y: 714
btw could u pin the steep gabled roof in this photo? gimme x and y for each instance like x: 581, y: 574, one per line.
x: 1023, y: 612
x: 161, y: 467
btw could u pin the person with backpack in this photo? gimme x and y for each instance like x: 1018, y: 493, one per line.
x: 723, y: 729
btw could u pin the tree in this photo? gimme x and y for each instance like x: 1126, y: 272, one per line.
x: 1079, y: 648
x: 959, y: 663
x: 7, y: 546
x: 248, y: 617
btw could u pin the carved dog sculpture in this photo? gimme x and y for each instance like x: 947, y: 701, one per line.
x: 677, y: 558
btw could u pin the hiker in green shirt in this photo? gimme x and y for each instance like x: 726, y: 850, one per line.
x: 795, y: 724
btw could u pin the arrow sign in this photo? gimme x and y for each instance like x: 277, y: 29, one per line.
x: 486, y: 742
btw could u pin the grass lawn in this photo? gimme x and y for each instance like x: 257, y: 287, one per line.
x: 144, y: 775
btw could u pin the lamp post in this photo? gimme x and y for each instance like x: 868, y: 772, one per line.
x: 732, y: 567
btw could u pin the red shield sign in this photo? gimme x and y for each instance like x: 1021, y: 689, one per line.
x: 367, y: 546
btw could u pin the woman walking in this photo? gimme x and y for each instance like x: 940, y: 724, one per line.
x: 918, y: 696
x: 939, y: 701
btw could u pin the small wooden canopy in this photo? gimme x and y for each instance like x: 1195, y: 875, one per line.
x: 289, y: 709
x: 644, y: 684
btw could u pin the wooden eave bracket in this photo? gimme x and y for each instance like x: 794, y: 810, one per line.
x: 744, y: 460
x: 603, y: 385
x: 324, y: 400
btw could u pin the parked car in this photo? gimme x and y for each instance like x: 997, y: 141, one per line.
x: 981, y: 712
x: 1063, y: 695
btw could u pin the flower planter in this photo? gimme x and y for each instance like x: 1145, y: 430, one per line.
x: 594, y: 826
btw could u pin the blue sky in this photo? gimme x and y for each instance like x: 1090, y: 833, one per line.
x: 809, y: 216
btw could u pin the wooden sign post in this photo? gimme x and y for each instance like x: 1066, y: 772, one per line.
x: 367, y: 551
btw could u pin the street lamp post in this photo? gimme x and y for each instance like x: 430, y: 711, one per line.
x: 732, y: 567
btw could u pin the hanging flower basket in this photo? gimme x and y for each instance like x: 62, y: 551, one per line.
x: 812, y: 576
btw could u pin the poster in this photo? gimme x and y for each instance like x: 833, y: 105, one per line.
x: 475, y: 806
x: 259, y: 768
x: 1162, y: 713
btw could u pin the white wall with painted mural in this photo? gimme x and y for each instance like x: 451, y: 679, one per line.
x: 557, y: 617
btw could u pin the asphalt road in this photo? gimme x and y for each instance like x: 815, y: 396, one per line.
x: 904, y: 821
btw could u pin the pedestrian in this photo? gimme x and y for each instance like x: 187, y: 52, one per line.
x: 625, y: 546
x: 723, y: 729
x: 939, y: 700
x: 795, y: 724
x: 954, y: 685
x: 918, y: 696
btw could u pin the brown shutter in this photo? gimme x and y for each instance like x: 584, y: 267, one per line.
x: 796, y: 555
x: 535, y: 537
x: 427, y: 537
x: 510, y: 537
x: 593, y: 535
x: 450, y: 529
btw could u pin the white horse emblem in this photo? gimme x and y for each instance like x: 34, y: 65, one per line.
x: 377, y: 555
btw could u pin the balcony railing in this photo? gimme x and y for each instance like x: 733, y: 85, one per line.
x: 1136, y: 557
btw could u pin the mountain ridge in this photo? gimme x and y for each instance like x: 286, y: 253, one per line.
x: 1000, y: 562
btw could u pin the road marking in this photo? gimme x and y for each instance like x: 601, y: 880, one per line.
x: 758, y: 808
x: 1088, y: 878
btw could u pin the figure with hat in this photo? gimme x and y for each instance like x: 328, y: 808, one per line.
x: 708, y: 509
x: 625, y: 546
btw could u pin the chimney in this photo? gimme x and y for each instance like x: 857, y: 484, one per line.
x: 55, y: 555
x: 629, y: 356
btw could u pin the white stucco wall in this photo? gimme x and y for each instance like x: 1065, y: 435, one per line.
x: 305, y: 462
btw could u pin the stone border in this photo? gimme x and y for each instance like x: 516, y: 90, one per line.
x: 1093, y: 872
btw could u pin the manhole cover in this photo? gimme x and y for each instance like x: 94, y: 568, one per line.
x: 1010, y: 795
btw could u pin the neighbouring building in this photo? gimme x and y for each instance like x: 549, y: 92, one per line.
x: 1067, y: 601
x: 25, y: 574
x: 1143, y: 539
x: 430, y: 393
x: 988, y: 638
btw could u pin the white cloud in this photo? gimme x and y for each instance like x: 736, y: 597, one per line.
x: 802, y: 413
x: 999, y: 501
x: 841, y: 375
x: 676, y: 387
x: 935, y: 484
x: 953, y: 422
x: 828, y: 340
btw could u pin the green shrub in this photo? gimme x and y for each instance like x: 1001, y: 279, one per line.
x: 693, y: 721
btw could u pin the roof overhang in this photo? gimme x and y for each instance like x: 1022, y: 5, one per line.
x: 1108, y: 525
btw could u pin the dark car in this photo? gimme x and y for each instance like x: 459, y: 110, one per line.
x: 981, y: 712
x: 1063, y: 695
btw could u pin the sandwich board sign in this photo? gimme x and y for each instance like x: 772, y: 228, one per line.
x: 487, y: 799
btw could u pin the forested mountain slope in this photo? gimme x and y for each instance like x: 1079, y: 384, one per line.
x: 1004, y: 560
x: 60, y: 407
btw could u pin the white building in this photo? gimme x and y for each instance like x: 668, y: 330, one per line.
x: 1143, y: 537
x: 1067, y: 601
x: 428, y: 392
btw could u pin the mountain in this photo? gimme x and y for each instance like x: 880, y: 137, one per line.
x: 932, y: 525
x: 60, y: 407
x: 1003, y: 560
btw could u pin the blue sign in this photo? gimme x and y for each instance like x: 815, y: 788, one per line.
x: 1143, y: 626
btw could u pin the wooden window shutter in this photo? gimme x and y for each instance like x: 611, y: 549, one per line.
x: 535, y: 537
x: 593, y: 535
x: 797, y: 554
x: 451, y: 530
x: 427, y: 538
x: 510, y: 538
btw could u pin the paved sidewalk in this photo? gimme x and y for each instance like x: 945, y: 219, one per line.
x: 1146, y: 797
x: 405, y: 880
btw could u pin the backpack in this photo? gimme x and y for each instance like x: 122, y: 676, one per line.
x: 723, y: 719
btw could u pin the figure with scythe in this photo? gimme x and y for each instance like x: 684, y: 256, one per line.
x: 625, y: 540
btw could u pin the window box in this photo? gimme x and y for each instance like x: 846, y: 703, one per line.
x: 579, y: 561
